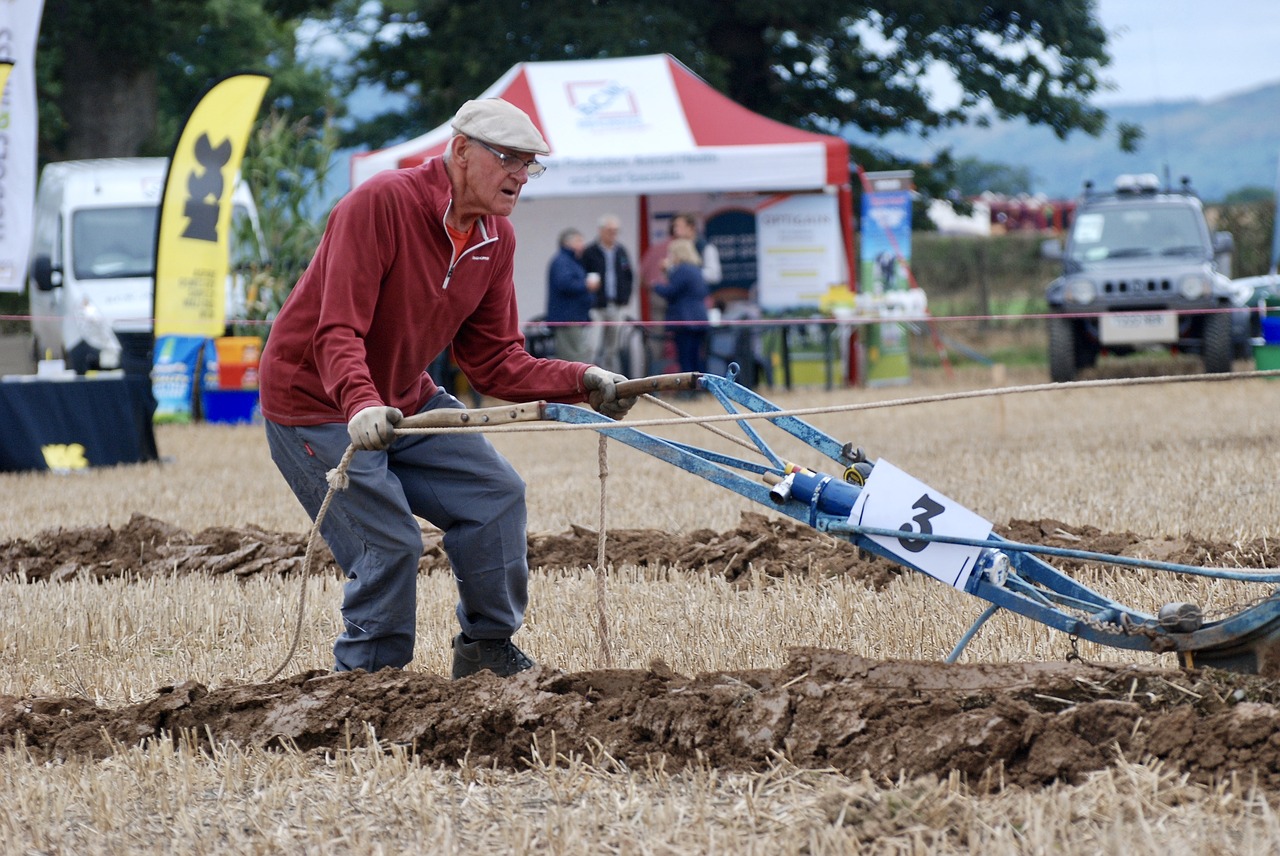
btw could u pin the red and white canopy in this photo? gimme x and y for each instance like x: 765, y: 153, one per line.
x: 641, y: 125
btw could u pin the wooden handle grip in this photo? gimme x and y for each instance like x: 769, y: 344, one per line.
x: 658, y: 383
x: 452, y: 418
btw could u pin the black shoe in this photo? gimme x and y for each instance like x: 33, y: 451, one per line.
x: 499, y: 656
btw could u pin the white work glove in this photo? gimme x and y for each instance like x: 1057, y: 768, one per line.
x: 373, y: 428
x: 603, y: 393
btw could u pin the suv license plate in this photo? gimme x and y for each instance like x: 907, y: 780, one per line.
x: 1133, y: 328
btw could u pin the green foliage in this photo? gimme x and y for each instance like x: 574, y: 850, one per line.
x: 165, y: 53
x: 1252, y: 225
x: 811, y: 63
x: 980, y: 272
x: 972, y: 176
x: 1249, y: 194
x: 286, y: 165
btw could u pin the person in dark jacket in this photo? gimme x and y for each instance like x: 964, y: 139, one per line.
x: 570, y: 296
x: 686, y: 294
x: 608, y: 259
x: 413, y: 261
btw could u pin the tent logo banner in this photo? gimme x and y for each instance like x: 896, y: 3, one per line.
x: 603, y: 101
x: 19, y: 26
x: 579, y: 113
x: 193, y: 242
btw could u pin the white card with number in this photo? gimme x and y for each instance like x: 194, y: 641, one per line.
x: 891, y: 499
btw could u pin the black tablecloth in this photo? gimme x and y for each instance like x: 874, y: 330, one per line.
x: 72, y: 424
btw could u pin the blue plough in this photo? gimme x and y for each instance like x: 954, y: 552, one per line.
x: 887, y: 513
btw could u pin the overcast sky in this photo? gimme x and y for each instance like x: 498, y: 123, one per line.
x: 1167, y: 50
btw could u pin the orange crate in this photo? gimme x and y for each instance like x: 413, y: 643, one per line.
x: 238, y: 349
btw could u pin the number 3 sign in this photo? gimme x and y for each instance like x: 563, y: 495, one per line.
x: 891, y: 499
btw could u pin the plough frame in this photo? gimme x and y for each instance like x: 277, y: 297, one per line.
x: 1008, y: 575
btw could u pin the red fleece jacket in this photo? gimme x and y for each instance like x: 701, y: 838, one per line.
x: 384, y: 296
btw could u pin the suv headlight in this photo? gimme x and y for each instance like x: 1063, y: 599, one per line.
x: 1079, y: 290
x: 1195, y: 286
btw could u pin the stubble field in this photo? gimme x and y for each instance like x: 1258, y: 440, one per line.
x: 768, y: 692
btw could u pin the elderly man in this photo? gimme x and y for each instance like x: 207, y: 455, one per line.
x: 608, y: 260
x: 412, y: 261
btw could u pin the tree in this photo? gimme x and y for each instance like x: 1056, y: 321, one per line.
x: 116, y: 78
x: 287, y: 164
x: 813, y: 63
x: 974, y: 176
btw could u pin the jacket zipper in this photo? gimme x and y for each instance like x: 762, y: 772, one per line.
x: 454, y: 256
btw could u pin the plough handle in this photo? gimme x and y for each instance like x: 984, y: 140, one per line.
x: 658, y: 383
x: 534, y: 410
x: 451, y: 418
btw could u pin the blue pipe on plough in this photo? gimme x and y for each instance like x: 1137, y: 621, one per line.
x: 1004, y: 573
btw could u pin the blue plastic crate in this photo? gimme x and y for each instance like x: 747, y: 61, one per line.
x: 231, y: 405
x: 1271, y: 330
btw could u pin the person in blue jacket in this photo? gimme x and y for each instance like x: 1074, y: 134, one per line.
x: 686, y: 294
x: 570, y: 297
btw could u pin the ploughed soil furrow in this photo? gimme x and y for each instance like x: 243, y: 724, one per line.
x: 1026, y: 724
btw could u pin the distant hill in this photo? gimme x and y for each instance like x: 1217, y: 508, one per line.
x: 1223, y: 145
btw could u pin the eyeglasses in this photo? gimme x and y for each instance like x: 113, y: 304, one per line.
x: 511, y: 163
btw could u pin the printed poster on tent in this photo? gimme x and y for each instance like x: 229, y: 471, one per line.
x: 885, y: 254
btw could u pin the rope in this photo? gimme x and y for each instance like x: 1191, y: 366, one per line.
x: 850, y: 408
x: 338, y: 480
x: 719, y: 432
x: 602, y: 601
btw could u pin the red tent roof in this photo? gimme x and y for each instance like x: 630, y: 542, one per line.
x: 642, y: 125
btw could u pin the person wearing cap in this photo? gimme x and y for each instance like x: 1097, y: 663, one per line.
x: 413, y: 261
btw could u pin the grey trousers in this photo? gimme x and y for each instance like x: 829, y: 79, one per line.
x: 576, y: 344
x: 609, y: 334
x: 458, y: 482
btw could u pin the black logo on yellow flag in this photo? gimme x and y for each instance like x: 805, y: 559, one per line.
x: 193, y: 244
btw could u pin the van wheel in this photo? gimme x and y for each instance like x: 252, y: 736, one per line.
x: 1215, y: 344
x: 1062, y: 350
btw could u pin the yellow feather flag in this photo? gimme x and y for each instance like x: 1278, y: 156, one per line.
x: 193, y: 241
x: 5, y: 66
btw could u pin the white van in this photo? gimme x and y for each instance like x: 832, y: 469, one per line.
x: 93, y: 258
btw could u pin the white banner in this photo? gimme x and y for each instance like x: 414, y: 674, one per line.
x: 19, y: 26
x: 799, y: 255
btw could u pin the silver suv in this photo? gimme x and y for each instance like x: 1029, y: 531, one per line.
x: 1141, y: 270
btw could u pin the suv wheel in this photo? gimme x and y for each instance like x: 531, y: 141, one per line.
x: 1215, y: 345
x: 1062, y: 350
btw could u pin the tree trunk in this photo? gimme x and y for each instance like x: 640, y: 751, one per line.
x: 110, y: 109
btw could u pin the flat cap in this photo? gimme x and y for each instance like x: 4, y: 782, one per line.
x: 499, y: 123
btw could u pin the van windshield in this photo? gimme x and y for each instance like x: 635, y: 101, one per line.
x: 110, y: 243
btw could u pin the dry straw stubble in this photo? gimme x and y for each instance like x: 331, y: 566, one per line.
x: 1177, y: 460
